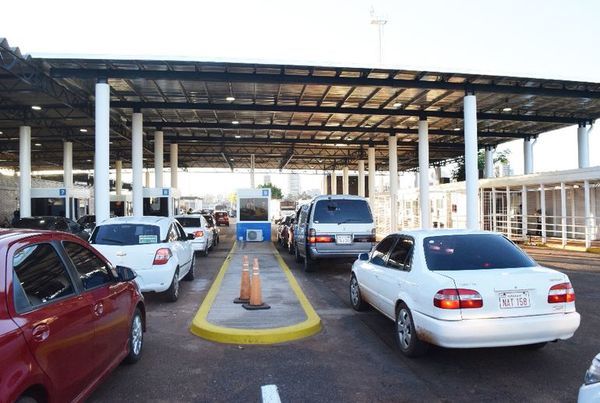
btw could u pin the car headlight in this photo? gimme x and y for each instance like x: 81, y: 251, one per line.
x: 593, y: 373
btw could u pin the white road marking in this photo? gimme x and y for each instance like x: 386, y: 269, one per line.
x: 270, y: 394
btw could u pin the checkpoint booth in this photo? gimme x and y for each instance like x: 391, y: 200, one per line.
x: 253, y: 223
x: 161, y: 202
x: 65, y: 202
x: 120, y: 205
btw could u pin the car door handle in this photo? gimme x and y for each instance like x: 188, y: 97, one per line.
x: 41, y: 332
x: 99, y: 309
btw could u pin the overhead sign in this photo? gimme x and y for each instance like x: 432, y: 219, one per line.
x: 62, y: 192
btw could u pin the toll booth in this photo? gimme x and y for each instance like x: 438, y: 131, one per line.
x: 161, y: 202
x: 65, y: 202
x: 120, y: 205
x: 253, y: 206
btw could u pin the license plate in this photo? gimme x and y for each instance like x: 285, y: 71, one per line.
x: 510, y: 300
x: 343, y: 239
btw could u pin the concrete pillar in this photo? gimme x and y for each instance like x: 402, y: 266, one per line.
x: 438, y: 174
x: 119, y: 177
x: 508, y: 214
x: 333, y: 182
x: 494, y: 218
x: 174, y: 153
x: 489, y: 162
x: 102, y: 153
x: 583, y: 146
x: 393, y: 165
x: 471, y: 169
x: 137, y: 164
x: 252, y: 163
x: 424, y: 173
x: 361, y: 178
x: 563, y: 213
x: 345, y: 181
x: 587, y: 213
x: 324, y: 189
x: 158, y: 158
x: 524, y: 212
x: 68, y: 164
x: 543, y: 213
x: 554, y: 212
x: 25, y: 171
x: 371, y: 158
x: 573, y: 213
x: 147, y: 178
x: 527, y: 155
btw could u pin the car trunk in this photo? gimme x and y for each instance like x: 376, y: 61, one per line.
x: 344, y: 236
x: 133, y: 256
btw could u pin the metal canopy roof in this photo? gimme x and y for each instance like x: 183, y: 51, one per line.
x: 290, y: 117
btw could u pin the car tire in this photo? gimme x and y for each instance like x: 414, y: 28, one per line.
x: 297, y: 256
x: 205, y: 251
x: 172, y: 293
x: 406, y: 335
x: 136, y: 338
x: 309, y: 263
x: 191, y: 274
x: 358, y: 304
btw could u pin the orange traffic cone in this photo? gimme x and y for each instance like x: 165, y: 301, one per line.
x: 255, y: 291
x: 245, y: 285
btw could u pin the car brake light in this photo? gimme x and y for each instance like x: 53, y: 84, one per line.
x: 562, y: 292
x: 314, y: 238
x: 198, y: 234
x: 452, y: 298
x: 162, y: 256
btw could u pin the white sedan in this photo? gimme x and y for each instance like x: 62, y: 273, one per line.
x: 590, y: 390
x: 203, y: 235
x: 156, y: 248
x: 463, y: 289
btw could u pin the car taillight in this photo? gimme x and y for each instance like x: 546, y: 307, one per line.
x: 162, y: 256
x: 452, y: 298
x: 314, y: 238
x: 562, y: 292
x: 198, y: 234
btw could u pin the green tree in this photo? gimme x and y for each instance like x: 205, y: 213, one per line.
x: 276, y: 192
x: 458, y: 173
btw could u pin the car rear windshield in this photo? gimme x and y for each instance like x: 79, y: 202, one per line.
x: 126, y: 234
x: 341, y: 211
x: 473, y: 252
x: 220, y: 214
x: 189, y: 221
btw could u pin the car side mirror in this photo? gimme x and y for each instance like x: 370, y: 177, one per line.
x: 125, y: 273
x: 190, y: 236
x: 363, y: 256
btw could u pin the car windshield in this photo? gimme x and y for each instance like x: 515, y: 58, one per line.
x: 473, y: 252
x: 189, y: 221
x: 125, y: 234
x: 341, y: 211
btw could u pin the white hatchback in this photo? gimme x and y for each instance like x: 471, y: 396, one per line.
x: 156, y: 248
x: 196, y: 225
x: 463, y: 289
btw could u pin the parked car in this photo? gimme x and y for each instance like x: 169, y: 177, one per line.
x: 293, y: 229
x: 203, y: 236
x: 67, y: 317
x: 222, y: 218
x: 463, y: 289
x: 156, y: 248
x: 211, y: 223
x: 589, y: 392
x: 53, y: 223
x: 333, y: 226
x: 88, y: 222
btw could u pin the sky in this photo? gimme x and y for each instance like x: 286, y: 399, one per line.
x: 533, y: 38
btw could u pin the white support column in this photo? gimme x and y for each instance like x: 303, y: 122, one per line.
x: 345, y: 181
x: 471, y: 168
x: 543, y: 213
x: 68, y: 164
x: 524, y: 212
x: 424, y: 174
x: 25, y: 171
x: 324, y: 189
x: 252, y: 164
x: 583, y: 146
x: 371, y: 158
x: 102, y: 153
x: 527, y: 155
x: 393, y: 166
x: 508, y: 214
x: 494, y: 218
x: 174, y: 155
x: 158, y: 158
x: 361, y: 178
x: 147, y: 178
x: 333, y: 182
x: 554, y: 212
x: 563, y: 213
x: 587, y: 213
x: 118, y: 177
x: 137, y: 164
x: 573, y: 213
x: 489, y: 162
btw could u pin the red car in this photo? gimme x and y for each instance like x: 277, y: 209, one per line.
x: 67, y: 317
x: 222, y: 218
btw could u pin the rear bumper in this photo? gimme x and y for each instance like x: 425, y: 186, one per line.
x: 156, y: 278
x: 198, y: 244
x: 496, y: 332
x: 341, y: 252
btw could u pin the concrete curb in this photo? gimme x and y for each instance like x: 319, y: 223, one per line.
x: 203, y: 328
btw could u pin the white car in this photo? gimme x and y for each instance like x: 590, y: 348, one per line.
x: 589, y: 392
x: 156, y: 248
x: 463, y: 289
x: 203, y: 236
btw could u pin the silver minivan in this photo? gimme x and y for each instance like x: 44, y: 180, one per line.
x: 333, y: 226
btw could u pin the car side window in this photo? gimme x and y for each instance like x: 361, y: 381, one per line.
x: 39, y: 277
x: 92, y: 271
x: 303, y: 215
x: 182, y: 234
x: 172, y: 235
x: 400, y: 256
x: 381, y: 250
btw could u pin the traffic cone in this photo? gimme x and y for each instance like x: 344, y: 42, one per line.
x: 255, y: 291
x: 245, y: 285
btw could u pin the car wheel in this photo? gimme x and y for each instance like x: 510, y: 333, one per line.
x: 297, y: 256
x: 172, y: 294
x: 355, y: 298
x: 190, y: 274
x: 205, y: 251
x: 406, y: 336
x: 136, y: 338
x: 309, y: 263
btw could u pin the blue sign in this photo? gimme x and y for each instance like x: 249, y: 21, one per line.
x: 165, y: 192
x: 265, y: 193
x: 62, y: 192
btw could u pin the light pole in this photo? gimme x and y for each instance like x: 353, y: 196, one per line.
x: 380, y: 22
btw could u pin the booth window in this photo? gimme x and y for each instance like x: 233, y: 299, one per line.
x: 254, y: 209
